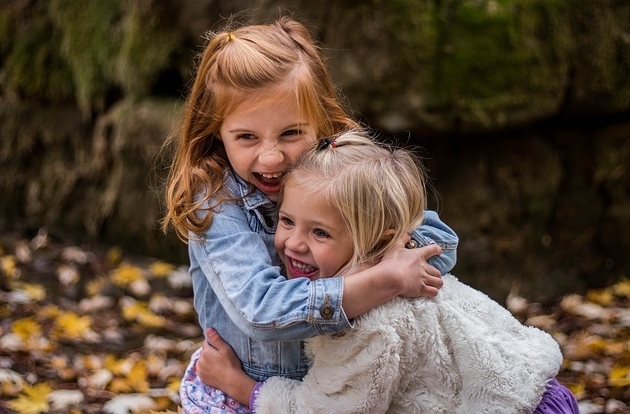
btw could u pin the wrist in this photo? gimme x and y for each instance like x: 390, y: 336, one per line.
x: 388, y: 280
x: 369, y: 288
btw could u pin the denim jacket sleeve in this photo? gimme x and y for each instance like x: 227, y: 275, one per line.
x: 434, y: 231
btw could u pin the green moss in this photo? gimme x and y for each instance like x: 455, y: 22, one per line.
x: 6, y: 28
x: 90, y: 41
x: 32, y: 66
x: 147, y: 44
x: 114, y: 44
x: 476, y: 61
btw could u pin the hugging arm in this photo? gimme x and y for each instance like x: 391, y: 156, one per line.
x: 353, y: 375
x: 234, y: 263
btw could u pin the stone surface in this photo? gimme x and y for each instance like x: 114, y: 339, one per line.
x: 522, y: 108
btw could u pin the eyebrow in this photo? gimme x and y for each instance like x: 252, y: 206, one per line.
x: 296, y: 125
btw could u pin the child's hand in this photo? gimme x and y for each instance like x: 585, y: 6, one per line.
x: 419, y: 278
x: 219, y: 367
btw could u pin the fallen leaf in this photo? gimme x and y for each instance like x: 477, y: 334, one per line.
x: 125, y: 274
x: 124, y: 404
x: 622, y: 288
x: 33, y: 399
x: 161, y: 269
x: 25, y: 328
x: 72, y: 326
x: 619, y: 376
x: 8, y: 265
x: 10, y: 382
x: 64, y: 399
x: 67, y: 274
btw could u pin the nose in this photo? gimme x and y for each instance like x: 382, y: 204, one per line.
x: 271, y: 156
x: 295, y: 242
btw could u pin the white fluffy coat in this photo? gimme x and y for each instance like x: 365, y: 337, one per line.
x: 460, y: 352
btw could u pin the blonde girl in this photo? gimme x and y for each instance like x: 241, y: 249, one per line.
x: 261, y: 97
x: 458, y: 352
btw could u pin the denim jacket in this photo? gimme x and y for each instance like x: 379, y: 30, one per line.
x: 240, y: 292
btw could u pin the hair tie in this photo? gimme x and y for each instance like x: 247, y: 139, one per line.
x: 325, y: 143
x: 230, y: 37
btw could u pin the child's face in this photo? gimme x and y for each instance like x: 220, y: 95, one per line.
x: 311, y: 238
x: 262, y: 141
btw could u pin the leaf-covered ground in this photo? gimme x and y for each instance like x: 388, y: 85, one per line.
x: 87, y: 329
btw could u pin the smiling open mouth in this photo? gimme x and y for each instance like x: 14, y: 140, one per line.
x: 300, y: 269
x: 269, y: 183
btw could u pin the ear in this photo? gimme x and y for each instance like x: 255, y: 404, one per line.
x: 387, y: 235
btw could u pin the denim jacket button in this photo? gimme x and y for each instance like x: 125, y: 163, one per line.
x: 326, y: 311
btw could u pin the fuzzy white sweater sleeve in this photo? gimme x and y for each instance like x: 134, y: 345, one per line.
x: 350, y: 374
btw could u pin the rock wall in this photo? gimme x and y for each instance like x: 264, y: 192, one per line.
x: 522, y: 108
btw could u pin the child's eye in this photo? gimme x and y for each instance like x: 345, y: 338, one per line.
x: 291, y: 132
x: 286, y: 221
x: 320, y: 233
x: 246, y: 136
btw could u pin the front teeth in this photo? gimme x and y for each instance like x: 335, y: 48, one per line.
x: 302, y: 266
x: 274, y: 175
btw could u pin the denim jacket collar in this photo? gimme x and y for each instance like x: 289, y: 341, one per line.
x: 240, y: 189
x: 254, y: 201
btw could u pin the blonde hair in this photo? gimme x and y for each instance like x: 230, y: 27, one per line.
x: 236, y: 66
x: 379, y: 190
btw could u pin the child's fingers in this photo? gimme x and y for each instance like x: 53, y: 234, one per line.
x: 215, y: 341
x: 430, y: 250
x: 430, y: 291
x: 435, y: 282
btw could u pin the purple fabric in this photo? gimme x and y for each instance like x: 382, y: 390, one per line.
x: 254, y: 396
x: 557, y: 400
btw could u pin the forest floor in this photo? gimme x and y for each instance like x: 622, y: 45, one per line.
x: 89, y: 329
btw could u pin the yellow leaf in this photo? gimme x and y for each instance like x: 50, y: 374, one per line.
x: 130, y: 308
x: 114, y: 255
x: 126, y: 274
x: 602, y: 297
x: 34, y: 291
x: 32, y: 400
x: 139, y: 311
x: 578, y: 389
x: 622, y: 288
x: 150, y: 319
x: 96, y: 286
x: 72, y: 326
x: 119, y: 386
x: 174, y: 384
x: 8, y: 265
x: 619, y: 376
x: 26, y: 328
x: 49, y: 311
x: 137, y: 377
x: 614, y: 348
x: 161, y: 269
x: 113, y: 364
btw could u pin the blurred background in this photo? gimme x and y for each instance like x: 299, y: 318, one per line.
x: 520, y: 108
